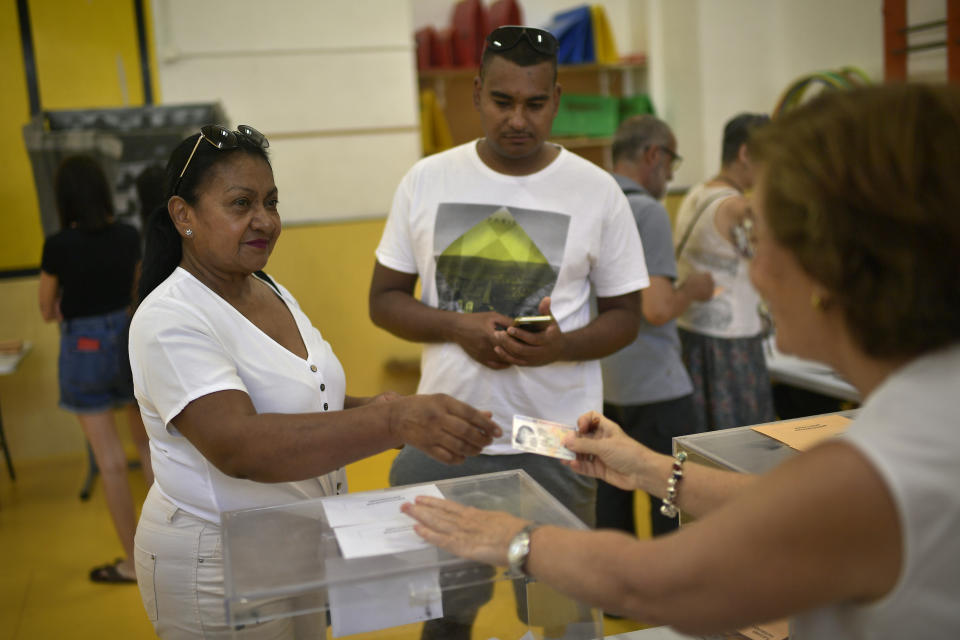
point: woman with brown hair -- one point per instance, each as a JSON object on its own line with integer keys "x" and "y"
{"x": 857, "y": 252}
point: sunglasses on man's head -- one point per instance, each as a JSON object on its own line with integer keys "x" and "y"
{"x": 507, "y": 37}
{"x": 222, "y": 138}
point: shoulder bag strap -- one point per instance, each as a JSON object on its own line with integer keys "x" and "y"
{"x": 696, "y": 218}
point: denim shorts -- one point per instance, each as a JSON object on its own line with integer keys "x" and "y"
{"x": 94, "y": 365}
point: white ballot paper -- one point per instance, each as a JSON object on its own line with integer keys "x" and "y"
{"x": 371, "y": 524}
{"x": 542, "y": 437}
{"x": 373, "y": 506}
{"x": 390, "y": 601}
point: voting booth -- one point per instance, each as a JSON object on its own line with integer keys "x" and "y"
{"x": 124, "y": 140}
{"x": 351, "y": 566}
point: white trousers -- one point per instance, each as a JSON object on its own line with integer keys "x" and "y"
{"x": 179, "y": 560}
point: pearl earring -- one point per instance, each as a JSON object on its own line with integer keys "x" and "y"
{"x": 816, "y": 301}
{"x": 188, "y": 233}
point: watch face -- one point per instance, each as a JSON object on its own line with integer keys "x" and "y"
{"x": 518, "y": 550}
{"x": 515, "y": 550}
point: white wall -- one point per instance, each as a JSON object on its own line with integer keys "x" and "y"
{"x": 332, "y": 84}
{"x": 674, "y": 62}
{"x": 711, "y": 59}
{"x": 929, "y": 65}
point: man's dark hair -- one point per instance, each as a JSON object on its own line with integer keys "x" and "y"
{"x": 737, "y": 131}
{"x": 522, "y": 54}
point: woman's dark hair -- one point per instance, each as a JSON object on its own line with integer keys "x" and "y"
{"x": 83, "y": 194}
{"x": 163, "y": 249}
{"x": 861, "y": 186}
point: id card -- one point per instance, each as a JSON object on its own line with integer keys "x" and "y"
{"x": 542, "y": 437}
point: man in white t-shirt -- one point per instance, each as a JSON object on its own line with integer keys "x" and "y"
{"x": 502, "y": 227}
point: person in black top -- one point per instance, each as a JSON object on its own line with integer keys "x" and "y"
{"x": 88, "y": 273}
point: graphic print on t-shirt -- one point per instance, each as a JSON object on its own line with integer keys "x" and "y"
{"x": 496, "y": 258}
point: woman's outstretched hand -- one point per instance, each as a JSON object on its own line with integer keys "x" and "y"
{"x": 604, "y": 451}
{"x": 465, "y": 531}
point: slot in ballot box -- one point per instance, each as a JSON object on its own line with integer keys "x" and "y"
{"x": 285, "y": 568}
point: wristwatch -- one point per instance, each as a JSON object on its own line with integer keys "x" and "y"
{"x": 519, "y": 549}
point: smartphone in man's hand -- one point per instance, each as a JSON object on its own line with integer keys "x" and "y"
{"x": 533, "y": 324}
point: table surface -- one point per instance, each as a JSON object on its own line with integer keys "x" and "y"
{"x": 807, "y": 374}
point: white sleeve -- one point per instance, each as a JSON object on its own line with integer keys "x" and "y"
{"x": 620, "y": 265}
{"x": 396, "y": 245}
{"x": 177, "y": 358}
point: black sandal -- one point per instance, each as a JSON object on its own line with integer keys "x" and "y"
{"x": 108, "y": 573}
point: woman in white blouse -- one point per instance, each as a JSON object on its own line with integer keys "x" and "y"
{"x": 244, "y": 401}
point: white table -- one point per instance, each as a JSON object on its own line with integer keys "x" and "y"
{"x": 807, "y": 374}
{"x": 8, "y": 364}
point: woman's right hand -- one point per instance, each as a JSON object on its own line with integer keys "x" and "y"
{"x": 604, "y": 451}
{"x": 442, "y": 427}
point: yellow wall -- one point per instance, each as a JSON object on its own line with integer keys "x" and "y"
{"x": 672, "y": 204}
{"x": 20, "y": 235}
{"x": 86, "y": 56}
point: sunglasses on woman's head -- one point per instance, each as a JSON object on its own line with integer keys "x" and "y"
{"x": 507, "y": 37}
{"x": 222, "y": 138}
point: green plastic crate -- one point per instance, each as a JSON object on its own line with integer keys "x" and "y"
{"x": 586, "y": 115}
{"x": 635, "y": 105}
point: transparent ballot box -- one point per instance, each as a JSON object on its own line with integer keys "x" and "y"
{"x": 287, "y": 572}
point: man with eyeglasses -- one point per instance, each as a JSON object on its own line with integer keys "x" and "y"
{"x": 507, "y": 226}
{"x": 646, "y": 389}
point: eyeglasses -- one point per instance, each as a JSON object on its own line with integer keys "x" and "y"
{"x": 675, "y": 159}
{"x": 223, "y": 138}
{"x": 507, "y": 37}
